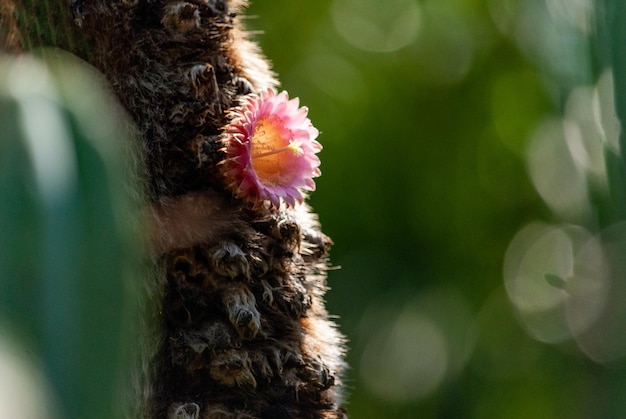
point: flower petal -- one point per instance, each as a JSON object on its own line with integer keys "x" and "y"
{"x": 270, "y": 148}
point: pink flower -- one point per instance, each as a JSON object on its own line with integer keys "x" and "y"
{"x": 270, "y": 150}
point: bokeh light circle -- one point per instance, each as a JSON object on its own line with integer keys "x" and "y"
{"x": 406, "y": 362}
{"x": 375, "y": 26}
{"x": 411, "y": 349}
{"x": 555, "y": 276}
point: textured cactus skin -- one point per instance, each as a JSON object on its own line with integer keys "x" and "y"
{"x": 242, "y": 330}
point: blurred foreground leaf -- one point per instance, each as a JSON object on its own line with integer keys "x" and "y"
{"x": 66, "y": 217}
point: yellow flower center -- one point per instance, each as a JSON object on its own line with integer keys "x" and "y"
{"x": 272, "y": 153}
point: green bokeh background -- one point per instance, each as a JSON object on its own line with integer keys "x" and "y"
{"x": 427, "y": 110}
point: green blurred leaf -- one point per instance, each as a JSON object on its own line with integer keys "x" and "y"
{"x": 67, "y": 223}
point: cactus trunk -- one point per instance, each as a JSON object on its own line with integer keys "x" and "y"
{"x": 237, "y": 292}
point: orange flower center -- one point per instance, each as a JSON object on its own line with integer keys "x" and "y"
{"x": 273, "y": 151}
